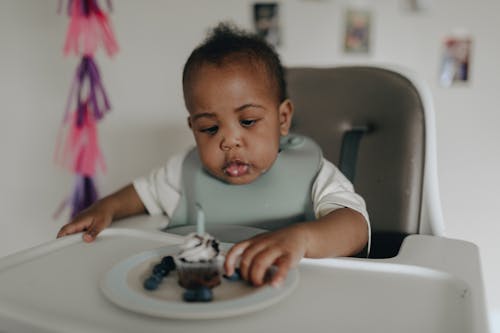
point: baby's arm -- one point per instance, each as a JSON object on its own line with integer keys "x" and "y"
{"x": 93, "y": 220}
{"x": 342, "y": 232}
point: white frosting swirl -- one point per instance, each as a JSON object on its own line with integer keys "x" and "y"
{"x": 198, "y": 248}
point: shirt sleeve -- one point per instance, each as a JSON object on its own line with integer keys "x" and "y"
{"x": 332, "y": 190}
{"x": 160, "y": 191}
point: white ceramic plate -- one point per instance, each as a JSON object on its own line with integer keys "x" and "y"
{"x": 122, "y": 285}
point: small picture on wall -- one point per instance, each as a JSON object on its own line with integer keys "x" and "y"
{"x": 357, "y": 31}
{"x": 455, "y": 62}
{"x": 266, "y": 22}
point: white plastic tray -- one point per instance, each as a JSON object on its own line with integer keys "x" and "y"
{"x": 433, "y": 285}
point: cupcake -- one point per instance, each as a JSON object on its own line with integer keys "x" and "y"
{"x": 199, "y": 262}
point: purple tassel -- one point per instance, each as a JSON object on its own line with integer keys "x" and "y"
{"x": 87, "y": 71}
{"x": 84, "y": 195}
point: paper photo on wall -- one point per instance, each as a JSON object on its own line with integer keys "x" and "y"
{"x": 455, "y": 62}
{"x": 357, "y": 30}
{"x": 266, "y": 22}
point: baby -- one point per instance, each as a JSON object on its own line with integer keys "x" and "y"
{"x": 235, "y": 93}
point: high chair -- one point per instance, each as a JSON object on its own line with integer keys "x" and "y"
{"x": 377, "y": 126}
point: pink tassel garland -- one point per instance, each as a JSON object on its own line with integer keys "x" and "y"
{"x": 88, "y": 28}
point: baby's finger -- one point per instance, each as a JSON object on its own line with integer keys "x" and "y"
{"x": 247, "y": 258}
{"x": 94, "y": 230}
{"x": 74, "y": 227}
{"x": 232, "y": 256}
{"x": 261, "y": 264}
{"x": 283, "y": 265}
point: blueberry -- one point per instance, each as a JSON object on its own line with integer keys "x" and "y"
{"x": 168, "y": 261}
{"x": 152, "y": 282}
{"x": 236, "y": 276}
{"x": 204, "y": 294}
{"x": 201, "y": 294}
{"x": 160, "y": 270}
{"x": 190, "y": 295}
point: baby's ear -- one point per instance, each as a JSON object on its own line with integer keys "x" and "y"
{"x": 285, "y": 116}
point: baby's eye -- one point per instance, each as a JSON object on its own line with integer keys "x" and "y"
{"x": 247, "y": 122}
{"x": 210, "y": 130}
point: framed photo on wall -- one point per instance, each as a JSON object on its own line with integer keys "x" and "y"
{"x": 266, "y": 22}
{"x": 455, "y": 60}
{"x": 357, "y": 30}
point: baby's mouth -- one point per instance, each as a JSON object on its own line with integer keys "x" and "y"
{"x": 236, "y": 168}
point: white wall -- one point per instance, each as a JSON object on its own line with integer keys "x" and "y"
{"x": 148, "y": 123}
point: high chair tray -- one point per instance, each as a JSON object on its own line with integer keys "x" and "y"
{"x": 433, "y": 285}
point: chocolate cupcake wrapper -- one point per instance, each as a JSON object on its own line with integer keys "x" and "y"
{"x": 193, "y": 275}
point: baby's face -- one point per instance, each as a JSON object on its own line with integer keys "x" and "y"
{"x": 236, "y": 120}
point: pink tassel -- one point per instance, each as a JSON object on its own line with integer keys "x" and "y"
{"x": 81, "y": 153}
{"x": 88, "y": 27}
{"x": 90, "y": 35}
{"x": 74, "y": 30}
{"x": 107, "y": 35}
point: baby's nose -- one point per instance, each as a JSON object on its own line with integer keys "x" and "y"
{"x": 231, "y": 139}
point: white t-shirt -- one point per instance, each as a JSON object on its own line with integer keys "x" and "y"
{"x": 161, "y": 191}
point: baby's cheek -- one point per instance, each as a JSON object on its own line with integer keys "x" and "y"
{"x": 210, "y": 160}
{"x": 266, "y": 163}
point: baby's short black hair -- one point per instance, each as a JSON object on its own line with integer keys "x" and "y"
{"x": 226, "y": 43}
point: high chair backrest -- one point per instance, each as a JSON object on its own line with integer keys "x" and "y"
{"x": 377, "y": 125}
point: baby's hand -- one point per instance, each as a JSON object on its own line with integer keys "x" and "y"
{"x": 92, "y": 220}
{"x": 283, "y": 248}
